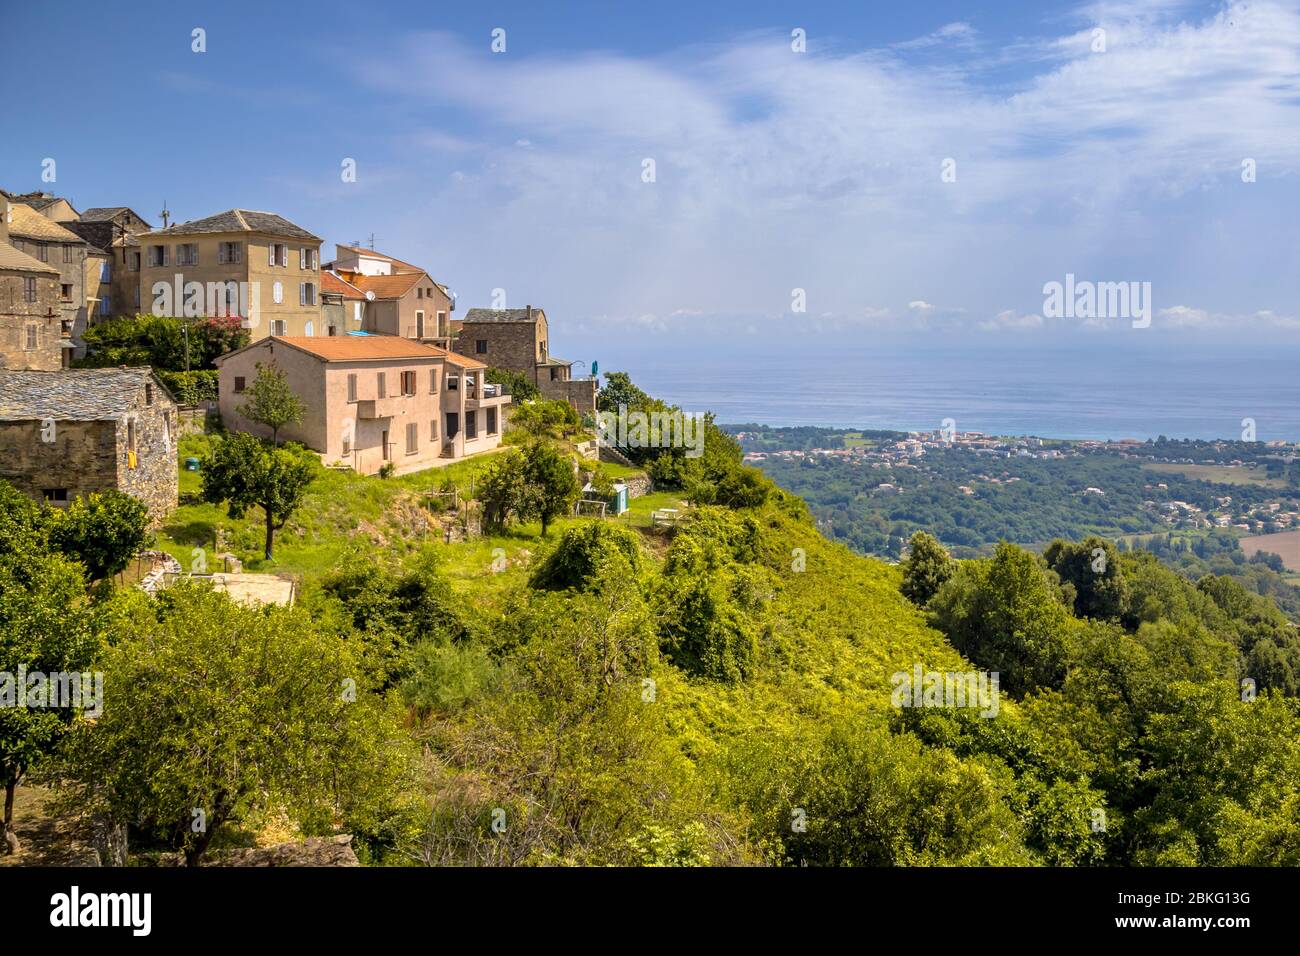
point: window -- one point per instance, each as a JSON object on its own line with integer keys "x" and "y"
{"x": 42, "y": 252}
{"x": 471, "y": 425}
{"x": 555, "y": 373}
{"x": 433, "y": 429}
{"x": 408, "y": 383}
{"x": 31, "y": 336}
{"x": 148, "y": 394}
{"x": 543, "y": 347}
{"x": 309, "y": 329}
{"x": 187, "y": 254}
{"x": 230, "y": 252}
{"x": 419, "y": 292}
{"x": 480, "y": 346}
{"x": 160, "y": 256}
{"x": 352, "y": 386}
{"x": 278, "y": 327}
{"x": 105, "y": 271}
{"x": 137, "y": 294}
{"x": 382, "y": 378}
{"x": 130, "y": 440}
{"x": 453, "y": 383}
{"x": 29, "y": 288}
{"x": 55, "y": 495}
{"x": 491, "y": 421}
{"x": 442, "y": 323}
{"x": 105, "y": 307}
{"x": 239, "y": 384}
{"x": 419, "y": 323}
{"x": 433, "y": 381}
{"x": 277, "y": 293}
{"x": 306, "y": 293}
{"x": 412, "y": 438}
{"x": 308, "y": 258}
{"x": 67, "y": 255}
{"x": 65, "y": 291}
{"x": 277, "y": 254}
{"x": 356, "y": 312}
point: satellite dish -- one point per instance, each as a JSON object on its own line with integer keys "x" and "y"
{"x": 370, "y": 296}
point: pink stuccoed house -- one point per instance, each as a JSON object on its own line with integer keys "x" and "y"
{"x": 373, "y": 399}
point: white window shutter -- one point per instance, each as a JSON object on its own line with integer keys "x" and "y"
{"x": 302, "y": 293}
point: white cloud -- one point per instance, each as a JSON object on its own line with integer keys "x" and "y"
{"x": 822, "y": 171}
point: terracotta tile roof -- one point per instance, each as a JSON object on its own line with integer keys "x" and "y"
{"x": 389, "y": 287}
{"x": 30, "y": 224}
{"x": 357, "y": 348}
{"x": 331, "y": 284}
{"x": 15, "y": 261}
{"x": 238, "y": 220}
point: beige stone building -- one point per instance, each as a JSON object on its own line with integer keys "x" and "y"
{"x": 52, "y": 207}
{"x": 48, "y": 241}
{"x": 265, "y": 268}
{"x": 403, "y": 299}
{"x": 372, "y": 400}
{"x": 31, "y": 323}
{"x": 519, "y": 340}
{"x": 67, "y": 433}
{"x": 112, "y": 285}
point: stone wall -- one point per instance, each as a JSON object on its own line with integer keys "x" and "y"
{"x": 510, "y": 345}
{"x": 16, "y": 314}
{"x": 580, "y": 393}
{"x": 91, "y": 456}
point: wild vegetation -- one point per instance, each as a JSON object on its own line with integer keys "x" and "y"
{"x": 718, "y": 692}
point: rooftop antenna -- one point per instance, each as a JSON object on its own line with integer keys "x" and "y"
{"x": 372, "y": 242}
{"x": 166, "y": 216}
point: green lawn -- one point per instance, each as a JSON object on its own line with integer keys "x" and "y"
{"x": 349, "y": 514}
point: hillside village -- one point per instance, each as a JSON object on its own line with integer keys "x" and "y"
{"x": 393, "y": 379}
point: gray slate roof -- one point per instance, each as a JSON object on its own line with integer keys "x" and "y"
{"x": 107, "y": 213}
{"x": 239, "y": 220}
{"x": 499, "y": 315}
{"x": 77, "y": 394}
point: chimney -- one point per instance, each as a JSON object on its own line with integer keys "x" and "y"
{"x": 528, "y": 312}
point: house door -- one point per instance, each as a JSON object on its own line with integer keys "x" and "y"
{"x": 419, "y": 325}
{"x": 453, "y": 425}
{"x": 383, "y": 440}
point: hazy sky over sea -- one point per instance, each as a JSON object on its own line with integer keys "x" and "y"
{"x": 774, "y": 170}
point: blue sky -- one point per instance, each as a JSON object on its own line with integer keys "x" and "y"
{"x": 774, "y": 170}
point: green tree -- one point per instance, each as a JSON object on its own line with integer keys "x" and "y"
{"x": 517, "y": 385}
{"x": 543, "y": 420}
{"x": 243, "y": 471}
{"x": 271, "y": 401}
{"x": 1092, "y": 567}
{"x": 223, "y": 714}
{"x": 925, "y": 569}
{"x": 555, "y": 487}
{"x": 619, "y": 390}
{"x": 103, "y": 531}
{"x": 43, "y": 630}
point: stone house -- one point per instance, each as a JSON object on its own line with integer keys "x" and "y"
{"x": 264, "y": 267}
{"x": 52, "y": 207}
{"x": 518, "y": 340}
{"x": 403, "y": 299}
{"x": 372, "y": 400}
{"x": 31, "y": 324}
{"x": 67, "y": 433}
{"x": 56, "y": 246}
{"x": 114, "y": 285}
